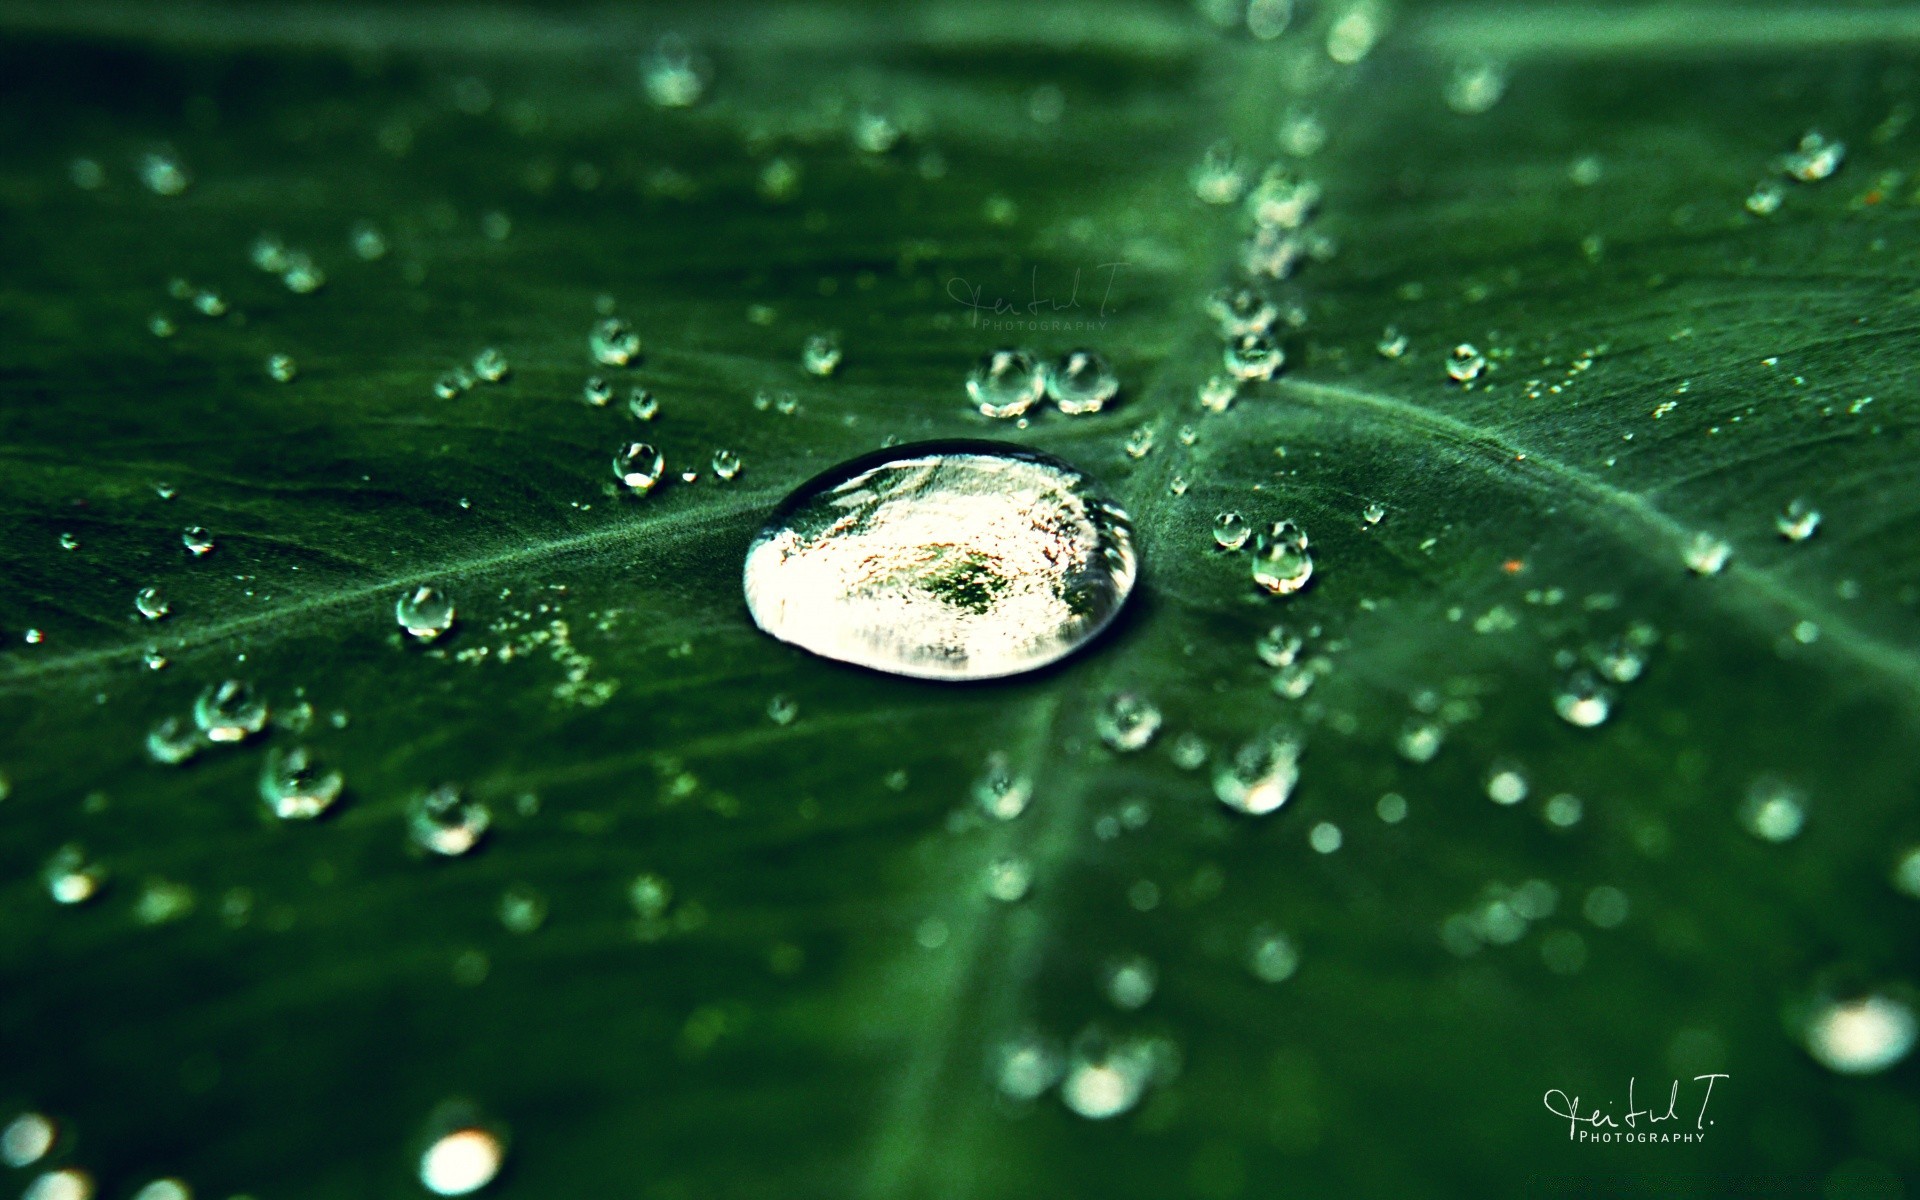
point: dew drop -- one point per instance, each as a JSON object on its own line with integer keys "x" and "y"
{"x": 198, "y": 541}
{"x": 1006, "y": 383}
{"x": 1815, "y": 158}
{"x": 1140, "y": 442}
{"x": 295, "y": 787}
{"x": 424, "y": 612}
{"x": 948, "y": 560}
{"x": 642, "y": 405}
{"x": 229, "y": 712}
{"x": 151, "y": 603}
{"x": 1000, "y": 791}
{"x": 1861, "y": 1036}
{"x": 726, "y": 464}
{"x": 1506, "y": 784}
{"x": 1374, "y": 513}
{"x": 1261, "y": 776}
{"x": 1271, "y": 956}
{"x": 1081, "y": 383}
{"x": 281, "y": 368}
{"x": 639, "y": 467}
{"x": 1392, "y": 343}
{"x": 444, "y": 822}
{"x": 674, "y": 75}
{"x": 1773, "y": 809}
{"x": 1220, "y": 177}
{"x": 461, "y": 1162}
{"x": 1279, "y": 646}
{"x": 1216, "y": 395}
{"x": 1583, "y": 700}
{"x": 1127, "y": 721}
{"x": 67, "y": 1183}
{"x": 1242, "y": 310}
{"x": 1706, "y": 554}
{"x": 71, "y": 878}
{"x": 1280, "y": 565}
{"x": 490, "y": 365}
{"x": 1252, "y": 356}
{"x": 1231, "y": 531}
{"x": 26, "y": 1140}
{"x": 1620, "y": 660}
{"x": 174, "y": 740}
{"x": 613, "y": 343}
{"x": 1465, "y": 363}
{"x": 1105, "y": 1079}
{"x": 1797, "y": 521}
{"x": 821, "y": 354}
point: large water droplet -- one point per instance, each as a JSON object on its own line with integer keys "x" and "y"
{"x": 424, "y": 612}
{"x": 229, "y": 712}
{"x": 945, "y": 560}
{"x": 1280, "y": 566}
{"x": 1081, "y": 383}
{"x": 1006, "y": 383}
{"x": 639, "y": 467}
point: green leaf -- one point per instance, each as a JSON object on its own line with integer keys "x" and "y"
{"x": 810, "y": 995}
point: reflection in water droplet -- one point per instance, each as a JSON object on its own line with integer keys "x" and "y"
{"x": 461, "y": 1162}
{"x": 444, "y": 822}
{"x": 1105, "y": 1078}
{"x": 1583, "y": 700}
{"x": 1797, "y": 521}
{"x": 1127, "y": 721}
{"x": 425, "y": 613}
{"x": 1261, "y": 776}
{"x": 1081, "y": 383}
{"x": 294, "y": 787}
{"x": 229, "y": 712}
{"x": 1006, "y": 383}
{"x": 1861, "y": 1036}
{"x": 1773, "y": 809}
{"x": 1001, "y": 792}
{"x": 639, "y": 467}
{"x": 26, "y": 1140}
{"x": 958, "y": 560}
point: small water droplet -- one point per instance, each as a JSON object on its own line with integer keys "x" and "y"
{"x": 160, "y": 325}
{"x": 821, "y": 354}
{"x": 1815, "y": 158}
{"x": 1773, "y": 809}
{"x": 1130, "y": 982}
{"x": 642, "y": 405}
{"x": 281, "y": 368}
{"x": 1231, "y": 531}
{"x": 1506, "y": 784}
{"x": 461, "y": 1162}
{"x": 1620, "y": 660}
{"x": 1325, "y": 838}
{"x": 639, "y": 467}
{"x": 1797, "y": 521}
{"x": 1392, "y": 343}
{"x": 1564, "y": 811}
{"x": 369, "y": 244}
{"x": 1706, "y": 554}
{"x": 1216, "y": 395}
{"x": 1282, "y": 200}
{"x": 1280, "y": 566}
{"x": 1863, "y": 1035}
{"x": 613, "y": 343}
{"x": 444, "y": 822}
{"x": 1465, "y": 363}
{"x": 425, "y": 612}
{"x": 523, "y": 909}
{"x": 596, "y": 392}
{"x": 1127, "y": 721}
{"x": 1583, "y": 700}
{"x": 726, "y": 464}
{"x": 1242, "y": 310}
{"x": 1374, "y": 513}
{"x": 1279, "y": 646}
{"x": 1261, "y": 776}
{"x": 1220, "y": 177}
{"x": 1140, "y": 442}
{"x": 1475, "y": 87}
{"x": 874, "y": 132}
{"x": 26, "y": 1139}
{"x": 198, "y": 541}
{"x": 1006, "y": 383}
{"x": 164, "y": 1189}
{"x": 295, "y": 787}
{"x": 151, "y": 603}
{"x": 71, "y": 878}
{"x": 1081, "y": 383}
{"x": 1252, "y": 356}
{"x": 782, "y": 709}
{"x": 952, "y": 560}
{"x": 1008, "y": 879}
{"x": 1765, "y": 198}
{"x": 490, "y": 365}
{"x": 452, "y": 384}
{"x": 1000, "y": 791}
{"x": 229, "y": 712}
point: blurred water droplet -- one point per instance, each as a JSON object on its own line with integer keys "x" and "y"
{"x": 612, "y": 342}
{"x": 461, "y": 1162}
{"x": 164, "y": 1189}
{"x": 444, "y": 822}
{"x": 162, "y": 174}
{"x": 174, "y": 740}
{"x": 1765, "y": 198}
{"x": 1252, "y": 356}
{"x": 523, "y": 909}
{"x": 1282, "y": 200}
{"x": 1620, "y": 660}
{"x": 295, "y": 787}
{"x": 1000, "y": 791}
{"x": 1325, "y": 838}
{"x": 1261, "y": 776}
{"x": 638, "y": 467}
{"x": 1392, "y": 343}
{"x": 1127, "y": 721}
{"x": 782, "y": 709}
{"x": 281, "y": 368}
{"x": 1268, "y": 19}
{"x": 1105, "y": 1078}
{"x": 942, "y": 561}
{"x": 70, "y": 877}
{"x": 1420, "y": 739}
{"x": 450, "y": 385}
{"x": 1606, "y": 906}
{"x": 1797, "y": 521}
{"x": 1231, "y": 531}
{"x": 1773, "y": 810}
{"x": 425, "y": 612}
{"x": 67, "y": 1183}
{"x": 198, "y": 541}
{"x": 1861, "y": 1036}
{"x": 1271, "y": 956}
{"x": 1906, "y": 873}
{"x": 651, "y": 895}
{"x": 1279, "y": 646}
{"x": 151, "y": 603}
{"x": 1815, "y": 158}
{"x": 490, "y": 365}
{"x": 1081, "y": 383}
{"x": 874, "y": 132}
{"x": 642, "y": 405}
{"x": 1024, "y": 1067}
{"x": 1391, "y": 808}
{"x": 160, "y": 325}
{"x": 1506, "y": 784}
{"x": 1216, "y": 395}
{"x": 1130, "y": 982}
{"x": 674, "y": 75}
{"x": 1475, "y": 87}
{"x": 229, "y": 711}
{"x": 1465, "y": 363}
{"x": 1583, "y": 700}
{"x": 369, "y": 244}
{"x": 1006, "y": 383}
{"x": 1706, "y": 554}
{"x": 1241, "y": 310}
{"x": 1220, "y": 176}
{"x": 821, "y": 354}
{"x": 596, "y": 392}
{"x": 26, "y": 1140}
{"x": 1009, "y": 878}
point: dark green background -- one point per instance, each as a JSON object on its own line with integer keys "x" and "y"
{"x": 786, "y": 1035}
